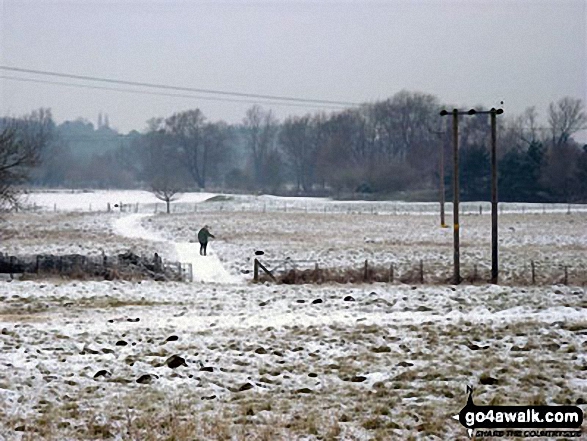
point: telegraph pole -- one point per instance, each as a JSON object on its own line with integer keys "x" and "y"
{"x": 455, "y": 197}
{"x": 442, "y": 196}
{"x": 455, "y": 208}
{"x": 494, "y": 237}
{"x": 441, "y": 141}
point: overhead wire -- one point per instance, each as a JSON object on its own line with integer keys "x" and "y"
{"x": 177, "y": 88}
{"x": 174, "y": 95}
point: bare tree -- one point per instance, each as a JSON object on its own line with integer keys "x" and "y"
{"x": 161, "y": 165}
{"x": 215, "y": 140}
{"x": 303, "y": 139}
{"x": 22, "y": 141}
{"x": 166, "y": 188}
{"x": 565, "y": 118}
{"x": 294, "y": 139}
{"x": 186, "y": 129}
{"x": 261, "y": 130}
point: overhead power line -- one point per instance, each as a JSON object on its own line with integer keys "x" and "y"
{"x": 178, "y": 88}
{"x": 175, "y": 95}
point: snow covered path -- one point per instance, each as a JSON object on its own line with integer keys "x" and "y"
{"x": 207, "y": 269}
{"x": 130, "y": 226}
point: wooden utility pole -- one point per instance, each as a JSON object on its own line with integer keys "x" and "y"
{"x": 441, "y": 141}
{"x": 494, "y": 240}
{"x": 441, "y": 172}
{"x": 455, "y": 200}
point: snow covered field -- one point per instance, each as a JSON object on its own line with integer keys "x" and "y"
{"x": 552, "y": 241}
{"x": 267, "y": 362}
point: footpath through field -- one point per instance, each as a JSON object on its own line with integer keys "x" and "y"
{"x": 207, "y": 269}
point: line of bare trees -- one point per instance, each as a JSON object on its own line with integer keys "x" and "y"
{"x": 383, "y": 148}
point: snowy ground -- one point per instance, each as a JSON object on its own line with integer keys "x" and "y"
{"x": 392, "y": 364}
{"x": 283, "y": 362}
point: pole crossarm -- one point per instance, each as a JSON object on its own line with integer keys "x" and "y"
{"x": 471, "y": 112}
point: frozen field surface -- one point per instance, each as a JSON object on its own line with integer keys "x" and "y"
{"x": 390, "y": 362}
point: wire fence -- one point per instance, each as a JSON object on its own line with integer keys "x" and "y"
{"x": 322, "y": 206}
{"x": 539, "y": 273}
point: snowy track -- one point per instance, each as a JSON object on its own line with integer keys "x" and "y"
{"x": 130, "y": 226}
{"x": 207, "y": 269}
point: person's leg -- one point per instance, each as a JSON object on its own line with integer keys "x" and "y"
{"x": 205, "y": 246}
{"x": 201, "y": 249}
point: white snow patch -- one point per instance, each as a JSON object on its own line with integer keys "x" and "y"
{"x": 207, "y": 268}
{"x": 63, "y": 200}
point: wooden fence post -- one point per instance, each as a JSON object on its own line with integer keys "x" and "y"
{"x": 391, "y": 273}
{"x": 256, "y": 271}
{"x": 421, "y": 271}
{"x": 316, "y": 273}
{"x": 260, "y": 265}
{"x": 475, "y": 275}
{"x": 366, "y": 271}
{"x": 533, "y": 272}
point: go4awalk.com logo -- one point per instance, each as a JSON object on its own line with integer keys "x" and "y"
{"x": 520, "y": 421}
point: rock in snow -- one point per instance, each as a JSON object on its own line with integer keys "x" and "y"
{"x": 175, "y": 361}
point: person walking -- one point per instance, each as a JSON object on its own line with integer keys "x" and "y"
{"x": 203, "y": 236}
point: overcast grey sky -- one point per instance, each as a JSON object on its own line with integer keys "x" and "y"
{"x": 465, "y": 52}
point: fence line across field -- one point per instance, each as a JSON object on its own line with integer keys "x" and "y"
{"x": 418, "y": 271}
{"x": 68, "y": 265}
{"x": 361, "y": 208}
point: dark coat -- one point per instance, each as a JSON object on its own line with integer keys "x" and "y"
{"x": 203, "y": 235}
